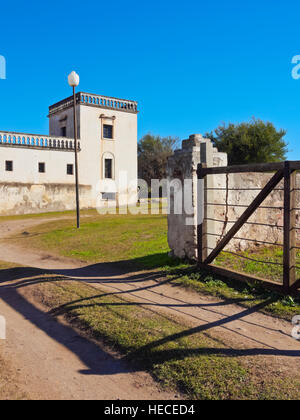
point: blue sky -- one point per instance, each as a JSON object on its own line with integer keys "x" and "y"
{"x": 191, "y": 65}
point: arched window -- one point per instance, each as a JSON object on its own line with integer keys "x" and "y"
{"x": 108, "y": 166}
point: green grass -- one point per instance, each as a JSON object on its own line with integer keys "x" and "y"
{"x": 194, "y": 363}
{"x": 140, "y": 243}
{"x": 244, "y": 294}
{"x": 106, "y": 238}
{"x": 267, "y": 269}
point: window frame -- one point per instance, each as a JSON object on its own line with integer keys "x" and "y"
{"x": 7, "y": 168}
{"x": 70, "y": 165}
{"x": 108, "y": 159}
{"x": 108, "y": 156}
{"x": 112, "y": 131}
{"x": 44, "y": 167}
{"x": 63, "y": 132}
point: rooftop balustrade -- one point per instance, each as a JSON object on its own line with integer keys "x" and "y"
{"x": 97, "y": 101}
{"x": 12, "y": 139}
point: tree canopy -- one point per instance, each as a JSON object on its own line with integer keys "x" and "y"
{"x": 153, "y": 152}
{"x": 250, "y": 142}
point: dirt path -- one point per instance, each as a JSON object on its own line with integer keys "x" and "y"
{"x": 51, "y": 359}
{"x": 12, "y": 253}
{"x": 54, "y": 362}
{"x": 246, "y": 331}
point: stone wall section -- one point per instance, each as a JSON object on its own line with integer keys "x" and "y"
{"x": 17, "y": 198}
{"x": 238, "y": 190}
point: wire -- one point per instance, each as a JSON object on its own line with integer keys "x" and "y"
{"x": 246, "y": 205}
{"x": 242, "y": 189}
{"x": 246, "y": 223}
{"x": 253, "y": 259}
{"x": 246, "y": 239}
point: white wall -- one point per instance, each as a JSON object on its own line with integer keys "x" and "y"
{"x": 21, "y": 198}
{"x": 25, "y": 159}
{"x": 25, "y": 165}
{"x": 64, "y": 118}
{"x": 123, "y": 147}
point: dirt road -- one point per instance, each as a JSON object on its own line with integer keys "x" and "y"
{"x": 52, "y": 360}
{"x": 66, "y": 366}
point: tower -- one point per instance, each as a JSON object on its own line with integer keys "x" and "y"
{"x": 107, "y": 129}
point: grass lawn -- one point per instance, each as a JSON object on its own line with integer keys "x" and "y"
{"x": 270, "y": 266}
{"x": 195, "y": 364}
{"x": 140, "y": 239}
{"x": 140, "y": 242}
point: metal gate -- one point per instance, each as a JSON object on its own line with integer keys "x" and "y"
{"x": 285, "y": 171}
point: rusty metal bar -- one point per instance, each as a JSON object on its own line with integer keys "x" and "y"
{"x": 289, "y": 232}
{"x": 256, "y": 167}
{"x": 201, "y": 244}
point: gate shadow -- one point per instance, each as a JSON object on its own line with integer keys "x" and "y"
{"x": 97, "y": 360}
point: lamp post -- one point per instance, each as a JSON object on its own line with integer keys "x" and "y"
{"x": 73, "y": 80}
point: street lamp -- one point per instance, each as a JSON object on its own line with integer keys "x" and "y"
{"x": 73, "y": 80}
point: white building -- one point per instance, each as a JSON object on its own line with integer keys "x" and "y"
{"x": 37, "y": 172}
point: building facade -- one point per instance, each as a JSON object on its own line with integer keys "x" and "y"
{"x": 37, "y": 172}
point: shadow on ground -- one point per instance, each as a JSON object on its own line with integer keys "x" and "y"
{"x": 98, "y": 360}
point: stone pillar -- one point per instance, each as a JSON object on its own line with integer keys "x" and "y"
{"x": 182, "y": 171}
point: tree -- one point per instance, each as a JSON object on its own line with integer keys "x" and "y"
{"x": 153, "y": 152}
{"x": 253, "y": 142}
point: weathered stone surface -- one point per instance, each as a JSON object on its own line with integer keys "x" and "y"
{"x": 17, "y": 198}
{"x": 265, "y": 224}
{"x": 182, "y": 228}
{"x": 237, "y": 190}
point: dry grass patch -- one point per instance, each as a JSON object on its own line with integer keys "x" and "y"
{"x": 195, "y": 364}
{"x": 9, "y": 381}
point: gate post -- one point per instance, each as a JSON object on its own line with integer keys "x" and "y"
{"x": 201, "y": 214}
{"x": 289, "y": 231}
{"x": 183, "y": 165}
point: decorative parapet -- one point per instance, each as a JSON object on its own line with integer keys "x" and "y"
{"x": 33, "y": 141}
{"x": 99, "y": 101}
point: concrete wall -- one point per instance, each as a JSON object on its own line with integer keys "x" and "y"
{"x": 94, "y": 148}
{"x": 242, "y": 190}
{"x": 123, "y": 147}
{"x": 182, "y": 166}
{"x": 25, "y": 189}
{"x": 64, "y": 119}
{"x": 25, "y": 165}
{"x": 238, "y": 190}
{"x": 17, "y": 198}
